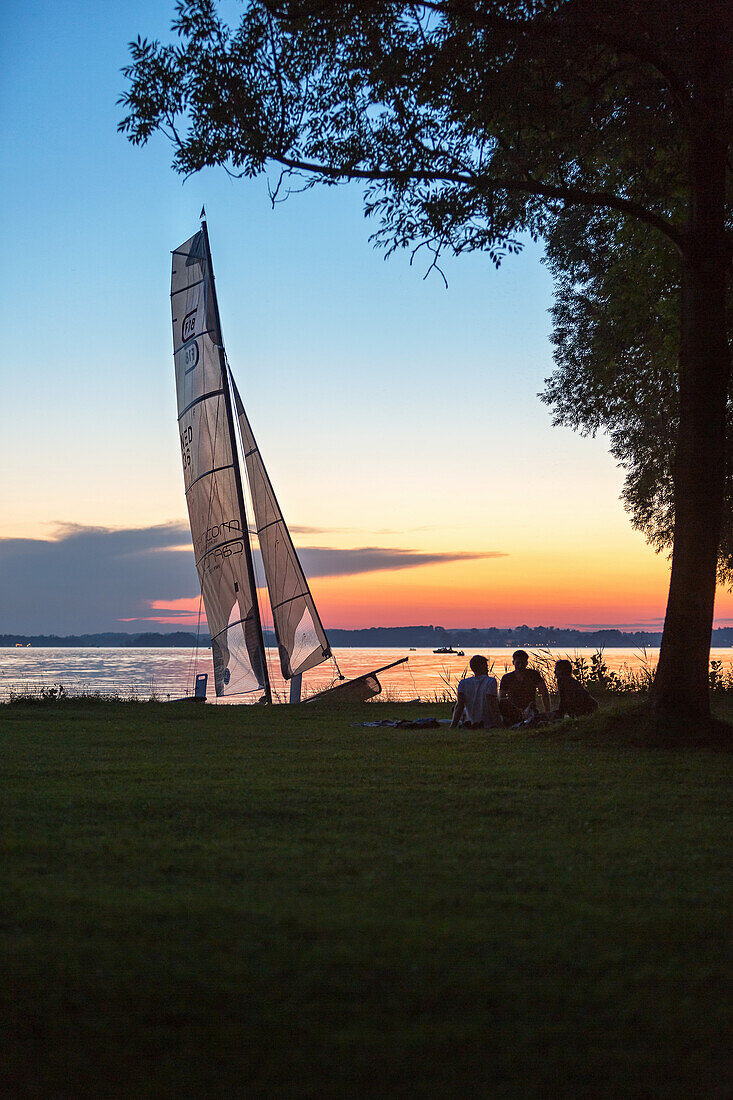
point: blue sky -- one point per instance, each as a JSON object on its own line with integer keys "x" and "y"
{"x": 393, "y": 413}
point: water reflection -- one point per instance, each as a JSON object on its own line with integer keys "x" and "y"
{"x": 168, "y": 673}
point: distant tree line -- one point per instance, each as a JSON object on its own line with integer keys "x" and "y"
{"x": 430, "y": 637}
{"x": 109, "y": 638}
{"x": 519, "y": 636}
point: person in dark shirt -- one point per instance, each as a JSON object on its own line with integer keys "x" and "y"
{"x": 574, "y": 701}
{"x": 518, "y": 690}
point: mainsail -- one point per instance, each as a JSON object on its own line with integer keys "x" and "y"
{"x": 302, "y": 641}
{"x": 212, "y": 477}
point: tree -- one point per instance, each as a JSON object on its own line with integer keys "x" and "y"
{"x": 617, "y": 343}
{"x": 472, "y": 122}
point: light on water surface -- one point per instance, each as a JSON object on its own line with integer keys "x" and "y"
{"x": 169, "y": 672}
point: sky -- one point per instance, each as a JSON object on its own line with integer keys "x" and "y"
{"x": 399, "y": 420}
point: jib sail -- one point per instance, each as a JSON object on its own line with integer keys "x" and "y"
{"x": 302, "y": 641}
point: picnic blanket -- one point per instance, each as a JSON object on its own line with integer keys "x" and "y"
{"x": 410, "y": 724}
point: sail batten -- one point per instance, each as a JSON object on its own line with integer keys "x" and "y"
{"x": 234, "y": 622}
{"x": 213, "y": 493}
{"x": 216, "y": 470}
{"x": 198, "y": 400}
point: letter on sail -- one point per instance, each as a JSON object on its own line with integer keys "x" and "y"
{"x": 301, "y": 638}
{"x": 218, "y": 524}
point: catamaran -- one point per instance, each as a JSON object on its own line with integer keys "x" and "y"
{"x": 215, "y": 436}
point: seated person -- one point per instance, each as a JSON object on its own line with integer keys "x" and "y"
{"x": 476, "y": 702}
{"x": 518, "y": 689}
{"x": 574, "y": 701}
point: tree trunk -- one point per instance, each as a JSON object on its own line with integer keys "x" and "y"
{"x": 680, "y": 700}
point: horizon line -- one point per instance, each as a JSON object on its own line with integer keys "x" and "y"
{"x": 629, "y": 628}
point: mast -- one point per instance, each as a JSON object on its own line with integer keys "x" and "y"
{"x": 237, "y": 471}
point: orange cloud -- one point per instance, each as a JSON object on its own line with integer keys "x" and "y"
{"x": 184, "y": 612}
{"x": 553, "y": 589}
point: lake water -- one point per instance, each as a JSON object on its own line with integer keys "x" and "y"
{"x": 169, "y": 673}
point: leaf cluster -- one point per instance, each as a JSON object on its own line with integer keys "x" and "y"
{"x": 470, "y": 122}
{"x": 616, "y": 336}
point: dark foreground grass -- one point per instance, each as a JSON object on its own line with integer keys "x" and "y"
{"x": 220, "y": 902}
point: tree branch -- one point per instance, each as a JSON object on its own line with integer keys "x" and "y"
{"x": 573, "y": 196}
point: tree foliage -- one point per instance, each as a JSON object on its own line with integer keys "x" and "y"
{"x": 429, "y": 103}
{"x": 616, "y": 336}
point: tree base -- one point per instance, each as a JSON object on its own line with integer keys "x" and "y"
{"x": 686, "y": 731}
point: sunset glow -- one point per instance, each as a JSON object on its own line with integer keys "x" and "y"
{"x": 399, "y": 420}
{"x": 558, "y": 592}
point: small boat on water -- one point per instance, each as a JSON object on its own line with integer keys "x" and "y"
{"x": 448, "y": 649}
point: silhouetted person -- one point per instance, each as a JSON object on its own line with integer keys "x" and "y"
{"x": 476, "y": 701}
{"x": 518, "y": 690}
{"x": 574, "y": 701}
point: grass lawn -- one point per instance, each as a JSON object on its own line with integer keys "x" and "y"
{"x": 240, "y": 902}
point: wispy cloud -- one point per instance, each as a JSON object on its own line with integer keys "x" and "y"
{"x": 322, "y": 561}
{"x": 301, "y": 529}
{"x": 88, "y": 579}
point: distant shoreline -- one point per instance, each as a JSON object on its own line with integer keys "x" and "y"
{"x": 424, "y": 637}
